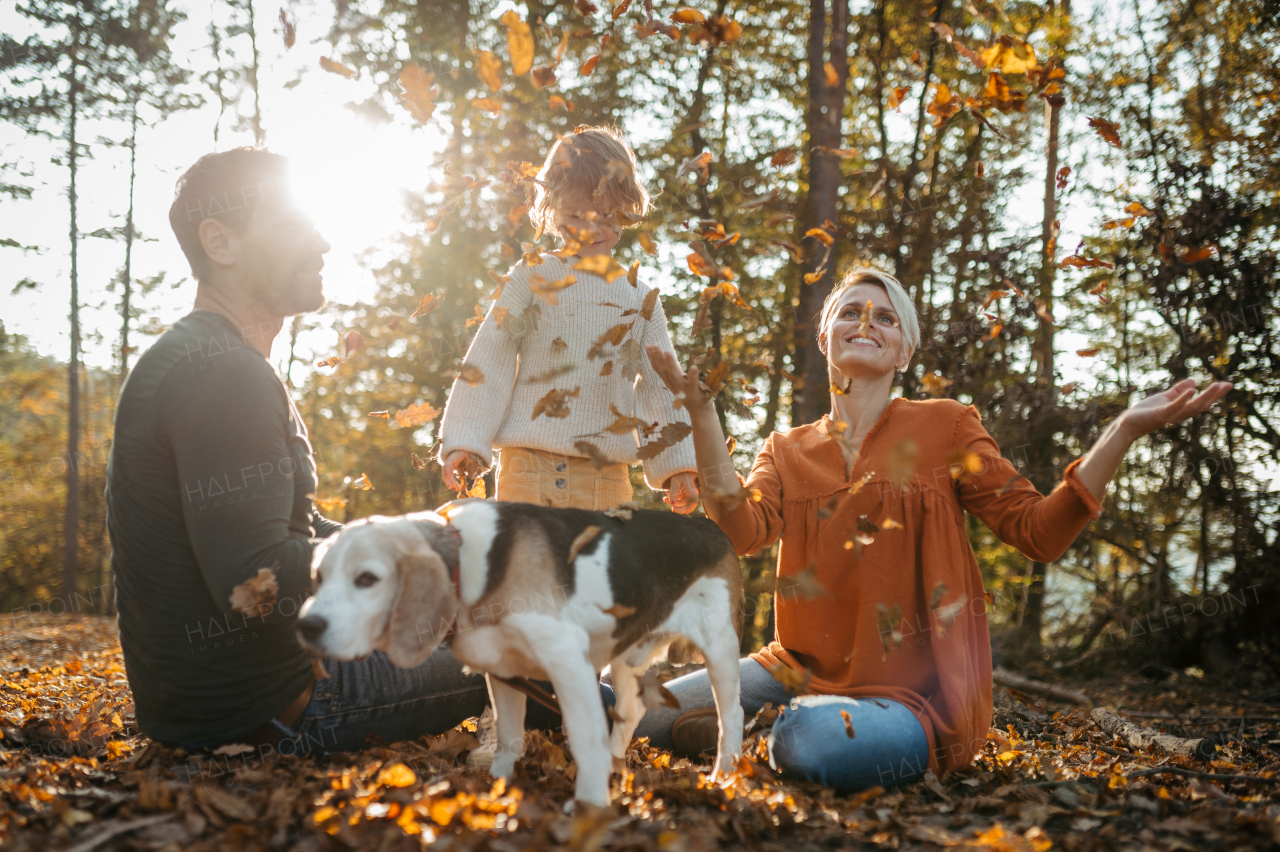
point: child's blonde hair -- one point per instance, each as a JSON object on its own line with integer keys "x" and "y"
{"x": 596, "y": 163}
{"x": 908, "y": 320}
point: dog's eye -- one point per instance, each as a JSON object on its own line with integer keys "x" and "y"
{"x": 366, "y": 579}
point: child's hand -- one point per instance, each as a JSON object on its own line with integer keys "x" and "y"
{"x": 456, "y": 460}
{"x": 682, "y": 494}
{"x": 685, "y": 386}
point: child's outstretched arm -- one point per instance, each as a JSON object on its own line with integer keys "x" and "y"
{"x": 675, "y": 468}
{"x": 474, "y": 412}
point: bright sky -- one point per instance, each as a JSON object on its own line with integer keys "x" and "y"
{"x": 358, "y": 206}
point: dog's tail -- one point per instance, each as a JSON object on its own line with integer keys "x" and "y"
{"x": 682, "y": 652}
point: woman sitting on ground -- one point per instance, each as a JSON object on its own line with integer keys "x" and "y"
{"x": 880, "y": 608}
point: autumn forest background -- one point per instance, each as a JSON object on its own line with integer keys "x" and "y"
{"x": 1083, "y": 200}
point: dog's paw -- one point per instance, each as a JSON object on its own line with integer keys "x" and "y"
{"x": 503, "y": 766}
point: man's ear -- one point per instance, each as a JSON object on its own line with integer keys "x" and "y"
{"x": 423, "y": 610}
{"x": 218, "y": 241}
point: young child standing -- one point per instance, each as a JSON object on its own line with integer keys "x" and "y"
{"x": 567, "y": 396}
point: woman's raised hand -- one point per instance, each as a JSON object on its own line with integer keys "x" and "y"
{"x": 685, "y": 386}
{"x": 1171, "y": 406}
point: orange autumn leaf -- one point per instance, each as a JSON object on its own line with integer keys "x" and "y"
{"x": 257, "y": 594}
{"x": 416, "y": 415}
{"x": 427, "y": 304}
{"x": 547, "y": 290}
{"x": 489, "y": 70}
{"x": 1076, "y": 261}
{"x": 949, "y": 35}
{"x": 943, "y": 106}
{"x": 561, "y": 104}
{"x": 492, "y": 105}
{"x": 633, "y": 274}
{"x": 555, "y": 404}
{"x": 471, "y": 374}
{"x": 362, "y": 482}
{"x": 290, "y": 31}
{"x": 1195, "y": 255}
{"x": 519, "y": 42}
{"x": 417, "y": 93}
{"x": 650, "y": 303}
{"x": 583, "y": 538}
{"x": 821, "y": 235}
{"x": 1107, "y": 130}
{"x": 612, "y": 337}
{"x": 589, "y": 66}
{"x": 1088, "y": 353}
{"x": 934, "y": 384}
{"x": 647, "y": 244}
{"x": 336, "y": 67}
{"x": 331, "y": 361}
{"x": 783, "y": 157}
{"x": 688, "y": 16}
{"x": 896, "y": 96}
{"x": 832, "y": 78}
{"x": 603, "y": 265}
{"x": 543, "y": 76}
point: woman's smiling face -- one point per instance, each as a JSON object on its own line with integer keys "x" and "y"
{"x": 876, "y": 347}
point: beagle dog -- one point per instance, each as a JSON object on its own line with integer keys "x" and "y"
{"x": 528, "y": 591}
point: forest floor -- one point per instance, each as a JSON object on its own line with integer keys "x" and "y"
{"x": 76, "y": 774}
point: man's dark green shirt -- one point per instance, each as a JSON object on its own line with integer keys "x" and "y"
{"x": 211, "y": 478}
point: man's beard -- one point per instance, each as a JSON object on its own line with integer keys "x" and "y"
{"x": 292, "y": 298}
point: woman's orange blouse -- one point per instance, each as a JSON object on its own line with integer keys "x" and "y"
{"x": 937, "y": 658}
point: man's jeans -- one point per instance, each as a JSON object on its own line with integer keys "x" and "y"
{"x": 810, "y": 739}
{"x": 373, "y": 696}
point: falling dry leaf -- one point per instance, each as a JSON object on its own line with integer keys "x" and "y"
{"x": 848, "y": 724}
{"x": 896, "y": 96}
{"x": 934, "y": 384}
{"x": 362, "y": 482}
{"x": 1108, "y": 131}
{"x": 796, "y": 682}
{"x": 802, "y": 585}
{"x": 598, "y": 459}
{"x": 581, "y": 540}
{"x": 336, "y": 67}
{"x": 385, "y": 415}
{"x": 612, "y": 337}
{"x": 490, "y": 105}
{"x": 889, "y": 624}
{"x": 547, "y": 290}
{"x": 654, "y": 694}
{"x": 256, "y": 595}
{"x": 603, "y": 265}
{"x": 471, "y": 374}
{"x": 943, "y": 106}
{"x": 671, "y": 434}
{"x": 1195, "y": 255}
{"x": 554, "y": 404}
{"x": 489, "y": 70}
{"x": 961, "y": 463}
{"x": 519, "y": 42}
{"x": 416, "y": 415}
{"x": 331, "y": 361}
{"x": 417, "y": 92}
{"x": 427, "y": 304}
{"x": 290, "y": 31}
{"x": 620, "y": 610}
{"x": 418, "y": 462}
{"x": 1088, "y": 353}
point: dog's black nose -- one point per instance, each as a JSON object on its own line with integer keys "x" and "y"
{"x": 310, "y": 627}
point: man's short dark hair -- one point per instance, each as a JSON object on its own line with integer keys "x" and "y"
{"x": 226, "y": 186}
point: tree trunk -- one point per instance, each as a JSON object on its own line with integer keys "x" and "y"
{"x": 259, "y": 135}
{"x": 71, "y": 523}
{"x": 810, "y": 397}
{"x": 128, "y": 242}
{"x": 1041, "y": 450}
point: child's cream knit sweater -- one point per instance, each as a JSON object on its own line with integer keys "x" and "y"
{"x": 529, "y": 355}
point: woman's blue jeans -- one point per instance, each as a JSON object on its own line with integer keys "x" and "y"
{"x": 810, "y": 739}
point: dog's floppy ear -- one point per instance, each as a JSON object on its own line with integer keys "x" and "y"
{"x": 423, "y": 611}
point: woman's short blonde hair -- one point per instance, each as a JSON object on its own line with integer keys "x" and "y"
{"x": 908, "y": 320}
{"x": 596, "y": 163}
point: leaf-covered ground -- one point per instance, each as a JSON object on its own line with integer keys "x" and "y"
{"x": 75, "y": 774}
